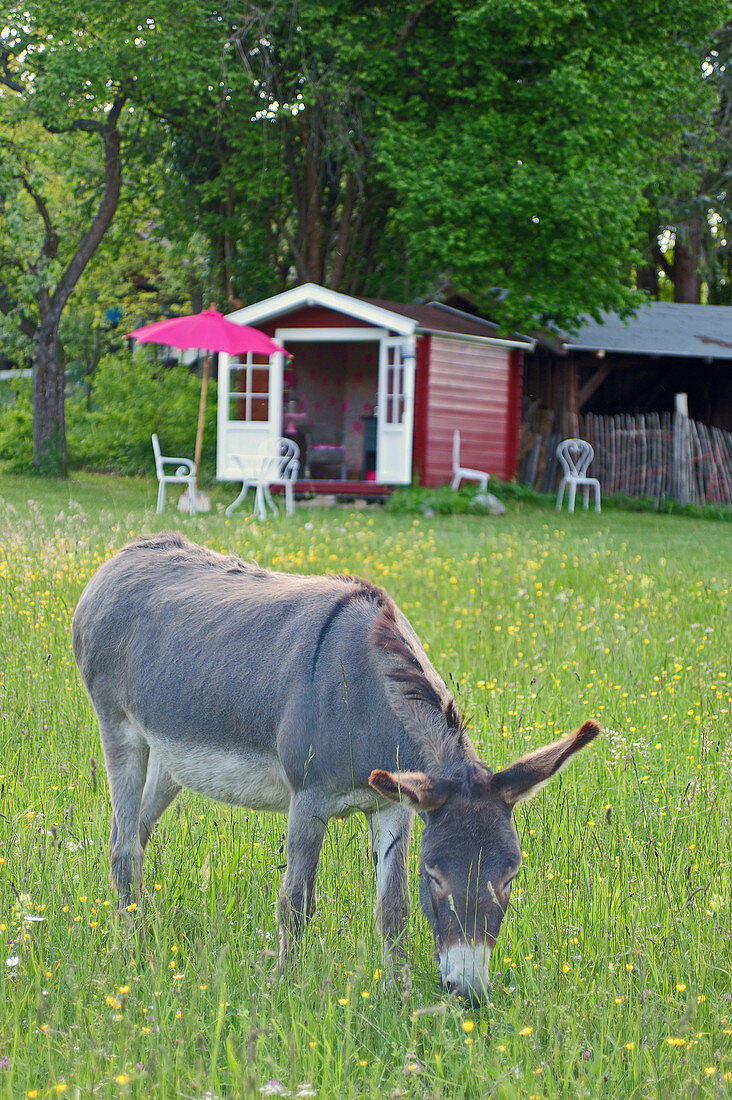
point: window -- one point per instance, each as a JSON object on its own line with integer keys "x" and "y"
{"x": 249, "y": 390}
{"x": 395, "y": 400}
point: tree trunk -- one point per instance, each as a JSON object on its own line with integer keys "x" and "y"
{"x": 50, "y": 456}
{"x": 49, "y": 428}
{"x": 647, "y": 279}
{"x": 646, "y": 275}
{"x": 687, "y": 284}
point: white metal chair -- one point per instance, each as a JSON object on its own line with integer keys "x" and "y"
{"x": 463, "y": 472}
{"x": 185, "y": 474}
{"x": 575, "y": 455}
{"x": 278, "y": 465}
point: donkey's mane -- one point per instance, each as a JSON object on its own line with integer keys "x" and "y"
{"x": 355, "y": 588}
{"x": 410, "y": 673}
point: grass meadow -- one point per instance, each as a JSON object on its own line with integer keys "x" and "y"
{"x": 613, "y": 973}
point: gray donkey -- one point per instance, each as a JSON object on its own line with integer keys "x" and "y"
{"x": 311, "y": 696}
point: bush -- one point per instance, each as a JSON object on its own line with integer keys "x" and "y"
{"x": 16, "y": 425}
{"x": 667, "y": 506}
{"x": 444, "y": 501}
{"x": 132, "y": 397}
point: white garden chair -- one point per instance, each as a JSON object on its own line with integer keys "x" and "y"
{"x": 274, "y": 465}
{"x": 463, "y": 472}
{"x": 185, "y": 474}
{"x": 575, "y": 455}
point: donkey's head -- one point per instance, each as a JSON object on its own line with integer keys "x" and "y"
{"x": 470, "y": 851}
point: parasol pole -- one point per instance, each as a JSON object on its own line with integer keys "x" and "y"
{"x": 201, "y": 416}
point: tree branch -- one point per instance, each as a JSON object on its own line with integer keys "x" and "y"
{"x": 410, "y": 24}
{"x": 6, "y": 77}
{"x": 50, "y": 244}
{"x": 105, "y": 213}
{"x": 93, "y": 125}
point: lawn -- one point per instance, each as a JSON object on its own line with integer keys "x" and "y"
{"x": 612, "y": 976}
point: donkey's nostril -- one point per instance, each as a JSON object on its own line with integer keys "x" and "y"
{"x": 464, "y": 970}
{"x": 472, "y": 995}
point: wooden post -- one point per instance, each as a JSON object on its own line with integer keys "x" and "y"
{"x": 682, "y": 449}
{"x": 201, "y": 417}
{"x": 570, "y": 419}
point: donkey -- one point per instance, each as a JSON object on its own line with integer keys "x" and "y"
{"x": 311, "y": 696}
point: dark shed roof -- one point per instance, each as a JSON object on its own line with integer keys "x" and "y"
{"x": 435, "y": 317}
{"x": 660, "y": 328}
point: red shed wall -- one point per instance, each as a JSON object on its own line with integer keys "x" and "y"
{"x": 474, "y": 387}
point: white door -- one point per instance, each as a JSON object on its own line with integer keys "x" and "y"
{"x": 395, "y": 421}
{"x": 249, "y": 411}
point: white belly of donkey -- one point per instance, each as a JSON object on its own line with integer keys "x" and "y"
{"x": 252, "y": 779}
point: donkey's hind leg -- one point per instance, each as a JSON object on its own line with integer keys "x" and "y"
{"x": 160, "y": 790}
{"x": 125, "y": 758}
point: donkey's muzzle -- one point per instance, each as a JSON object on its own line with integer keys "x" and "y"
{"x": 464, "y": 970}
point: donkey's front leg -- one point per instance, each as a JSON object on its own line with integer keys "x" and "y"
{"x": 306, "y": 825}
{"x": 390, "y": 829}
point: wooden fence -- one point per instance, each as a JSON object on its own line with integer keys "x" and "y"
{"x": 653, "y": 455}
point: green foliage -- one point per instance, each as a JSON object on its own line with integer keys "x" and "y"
{"x": 667, "y": 506}
{"x": 504, "y": 147}
{"x": 16, "y": 425}
{"x": 129, "y": 398}
{"x": 524, "y": 168}
{"x": 444, "y": 501}
{"x": 507, "y": 147}
{"x": 133, "y": 396}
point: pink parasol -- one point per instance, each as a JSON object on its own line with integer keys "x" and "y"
{"x": 211, "y": 331}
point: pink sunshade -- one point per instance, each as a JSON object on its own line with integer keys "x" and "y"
{"x": 209, "y": 331}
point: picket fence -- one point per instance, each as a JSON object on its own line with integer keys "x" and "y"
{"x": 654, "y": 455}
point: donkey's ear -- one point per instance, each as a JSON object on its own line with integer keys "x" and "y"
{"x": 521, "y": 781}
{"x": 417, "y": 789}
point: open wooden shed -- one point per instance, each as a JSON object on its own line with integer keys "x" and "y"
{"x": 637, "y": 365}
{"x": 373, "y": 391}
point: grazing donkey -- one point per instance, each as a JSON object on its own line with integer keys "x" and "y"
{"x": 311, "y": 696}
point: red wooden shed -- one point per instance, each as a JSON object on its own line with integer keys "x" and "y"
{"x": 373, "y": 392}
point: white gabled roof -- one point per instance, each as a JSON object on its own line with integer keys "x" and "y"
{"x": 310, "y": 294}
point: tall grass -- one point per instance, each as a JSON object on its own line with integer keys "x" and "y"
{"x": 612, "y": 974}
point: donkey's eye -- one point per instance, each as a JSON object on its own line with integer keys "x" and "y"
{"x": 433, "y": 874}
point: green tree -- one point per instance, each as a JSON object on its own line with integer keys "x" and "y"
{"x": 59, "y": 119}
{"x": 524, "y": 163}
{"x": 503, "y": 150}
{"x": 686, "y": 230}
{"x": 74, "y": 83}
{"x": 279, "y": 159}
{"x": 509, "y": 151}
